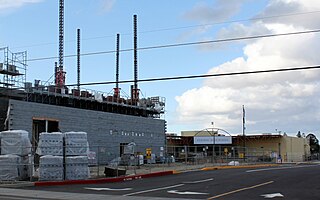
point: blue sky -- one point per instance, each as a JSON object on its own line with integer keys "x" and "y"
{"x": 287, "y": 102}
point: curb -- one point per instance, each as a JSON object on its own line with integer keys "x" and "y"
{"x": 238, "y": 167}
{"x": 103, "y": 180}
{"x": 17, "y": 185}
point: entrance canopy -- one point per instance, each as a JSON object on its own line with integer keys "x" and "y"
{"x": 212, "y": 140}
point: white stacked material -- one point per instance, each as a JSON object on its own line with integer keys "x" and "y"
{"x": 51, "y": 168}
{"x": 15, "y": 142}
{"x": 9, "y": 167}
{"x": 77, "y": 168}
{"x": 76, "y": 144}
{"x": 50, "y": 144}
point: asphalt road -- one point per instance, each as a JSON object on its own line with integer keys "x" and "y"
{"x": 285, "y": 182}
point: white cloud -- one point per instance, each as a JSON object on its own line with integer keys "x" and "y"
{"x": 12, "y": 4}
{"x": 306, "y": 8}
{"x": 107, "y": 5}
{"x": 287, "y": 101}
{"x": 203, "y": 13}
{"x": 221, "y": 10}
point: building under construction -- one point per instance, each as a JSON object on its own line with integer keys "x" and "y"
{"x": 109, "y": 119}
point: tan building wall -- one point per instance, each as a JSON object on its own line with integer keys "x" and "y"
{"x": 294, "y": 149}
{"x": 291, "y": 149}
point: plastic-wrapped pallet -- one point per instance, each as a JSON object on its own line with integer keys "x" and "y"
{"x": 77, "y": 168}
{"x": 50, "y": 144}
{"x": 9, "y": 167}
{"x": 15, "y": 142}
{"x": 76, "y": 144}
{"x": 51, "y": 168}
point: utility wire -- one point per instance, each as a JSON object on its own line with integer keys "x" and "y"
{"x": 181, "y": 44}
{"x": 204, "y": 75}
{"x": 233, "y": 21}
{"x": 181, "y": 27}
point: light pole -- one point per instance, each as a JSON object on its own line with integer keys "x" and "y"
{"x": 214, "y": 142}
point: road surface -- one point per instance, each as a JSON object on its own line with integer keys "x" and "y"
{"x": 285, "y": 182}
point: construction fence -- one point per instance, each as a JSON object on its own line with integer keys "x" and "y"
{"x": 59, "y": 162}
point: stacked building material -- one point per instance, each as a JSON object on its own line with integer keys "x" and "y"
{"x": 16, "y": 162}
{"x": 51, "y": 168}
{"x": 50, "y": 144}
{"x": 76, "y": 144}
{"x": 76, "y": 152}
{"x": 77, "y": 168}
{"x": 63, "y": 156}
{"x": 15, "y": 142}
{"x": 50, "y": 150}
{"x": 9, "y": 167}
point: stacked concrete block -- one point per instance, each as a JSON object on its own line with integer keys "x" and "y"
{"x": 77, "y": 168}
{"x": 50, "y": 144}
{"x": 9, "y": 167}
{"x": 76, "y": 144}
{"x": 15, "y": 160}
{"x": 51, "y": 168}
{"x": 15, "y": 142}
{"x": 76, "y": 152}
{"x": 50, "y": 149}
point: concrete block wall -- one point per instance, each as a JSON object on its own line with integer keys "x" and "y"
{"x": 3, "y": 112}
{"x": 105, "y": 130}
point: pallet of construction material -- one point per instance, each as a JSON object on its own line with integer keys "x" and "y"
{"x": 15, "y": 142}
{"x": 9, "y": 167}
{"x": 77, "y": 168}
{"x": 76, "y": 144}
{"x": 50, "y": 144}
{"x": 75, "y": 135}
{"x": 51, "y": 168}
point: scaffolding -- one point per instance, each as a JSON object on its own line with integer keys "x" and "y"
{"x": 13, "y": 68}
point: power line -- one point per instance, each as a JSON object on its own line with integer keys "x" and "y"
{"x": 234, "y": 21}
{"x": 182, "y": 44}
{"x": 204, "y": 75}
{"x": 181, "y": 27}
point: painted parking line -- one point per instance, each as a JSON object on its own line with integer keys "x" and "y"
{"x": 280, "y": 168}
{"x": 239, "y": 190}
{"x": 186, "y": 192}
{"x": 152, "y": 190}
{"x": 108, "y": 189}
{"x": 200, "y": 181}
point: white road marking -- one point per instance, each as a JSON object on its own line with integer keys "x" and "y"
{"x": 200, "y": 181}
{"x": 270, "y": 196}
{"x": 186, "y": 193}
{"x": 152, "y": 190}
{"x": 109, "y": 189}
{"x": 279, "y": 168}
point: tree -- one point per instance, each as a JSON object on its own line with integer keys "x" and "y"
{"x": 314, "y": 143}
